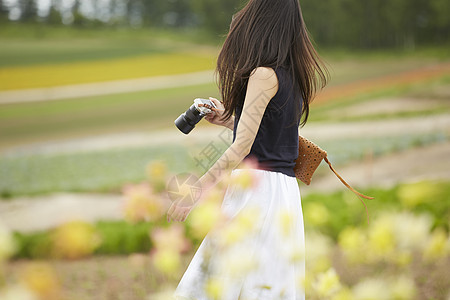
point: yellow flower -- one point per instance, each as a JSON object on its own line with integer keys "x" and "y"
{"x": 305, "y": 282}
{"x": 156, "y": 174}
{"x": 353, "y": 243}
{"x": 403, "y": 288}
{"x": 74, "y": 239}
{"x": 285, "y": 221}
{"x": 167, "y": 261}
{"x": 239, "y": 227}
{"x": 343, "y": 294}
{"x": 381, "y": 239}
{"x": 214, "y": 288}
{"x": 403, "y": 257}
{"x": 7, "y": 244}
{"x": 244, "y": 177}
{"x": 316, "y": 214}
{"x": 318, "y": 250}
{"x": 156, "y": 170}
{"x": 413, "y": 194}
{"x": 204, "y": 217}
{"x": 327, "y": 283}
{"x": 437, "y": 246}
{"x": 42, "y": 280}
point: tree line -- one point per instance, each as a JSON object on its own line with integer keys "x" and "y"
{"x": 359, "y": 24}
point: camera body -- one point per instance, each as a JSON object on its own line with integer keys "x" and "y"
{"x": 187, "y": 120}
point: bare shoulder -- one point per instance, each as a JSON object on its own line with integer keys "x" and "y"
{"x": 264, "y": 74}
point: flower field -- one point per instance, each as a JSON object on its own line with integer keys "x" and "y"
{"x": 404, "y": 253}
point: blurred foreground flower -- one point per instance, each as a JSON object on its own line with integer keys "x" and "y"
{"x": 238, "y": 228}
{"x": 7, "y": 244}
{"x": 74, "y": 239}
{"x": 167, "y": 261}
{"x": 372, "y": 289}
{"x": 156, "y": 174}
{"x": 244, "y": 178}
{"x": 207, "y": 214}
{"x": 169, "y": 243}
{"x": 41, "y": 279}
{"x": 141, "y": 204}
{"x": 411, "y": 230}
{"x": 237, "y": 260}
{"x": 413, "y": 194}
{"x": 17, "y": 292}
{"x": 437, "y": 246}
{"x": 318, "y": 252}
{"x": 327, "y": 284}
{"x": 403, "y": 288}
{"x": 214, "y": 287}
{"x": 172, "y": 237}
{"x": 353, "y": 243}
{"x": 381, "y": 239}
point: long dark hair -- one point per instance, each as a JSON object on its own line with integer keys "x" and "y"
{"x": 269, "y": 33}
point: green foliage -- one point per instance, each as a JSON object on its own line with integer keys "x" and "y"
{"x": 123, "y": 238}
{"x": 117, "y": 237}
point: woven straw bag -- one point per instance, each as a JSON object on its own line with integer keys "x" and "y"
{"x": 309, "y": 157}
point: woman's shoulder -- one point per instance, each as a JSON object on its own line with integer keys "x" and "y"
{"x": 264, "y": 74}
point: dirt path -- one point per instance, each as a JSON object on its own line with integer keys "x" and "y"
{"x": 105, "y": 88}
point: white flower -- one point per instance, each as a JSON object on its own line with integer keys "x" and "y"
{"x": 17, "y": 292}
{"x": 412, "y": 231}
{"x": 372, "y": 289}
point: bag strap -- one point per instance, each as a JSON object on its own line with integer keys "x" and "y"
{"x": 352, "y": 189}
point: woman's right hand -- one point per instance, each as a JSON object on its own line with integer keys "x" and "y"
{"x": 216, "y": 114}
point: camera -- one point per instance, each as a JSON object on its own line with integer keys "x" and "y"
{"x": 187, "y": 120}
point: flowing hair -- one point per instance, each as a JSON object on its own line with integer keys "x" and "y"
{"x": 269, "y": 33}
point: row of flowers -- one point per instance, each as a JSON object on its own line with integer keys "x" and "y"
{"x": 380, "y": 261}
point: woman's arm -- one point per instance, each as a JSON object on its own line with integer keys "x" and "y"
{"x": 230, "y": 123}
{"x": 262, "y": 86}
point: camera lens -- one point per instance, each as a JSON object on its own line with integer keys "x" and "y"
{"x": 187, "y": 120}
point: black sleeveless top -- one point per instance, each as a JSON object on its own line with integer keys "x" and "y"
{"x": 276, "y": 143}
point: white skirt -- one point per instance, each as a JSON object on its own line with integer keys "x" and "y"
{"x": 268, "y": 263}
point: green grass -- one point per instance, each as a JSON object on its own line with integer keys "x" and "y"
{"x": 24, "y": 45}
{"x": 142, "y": 111}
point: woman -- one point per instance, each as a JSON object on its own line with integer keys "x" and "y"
{"x": 268, "y": 75}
